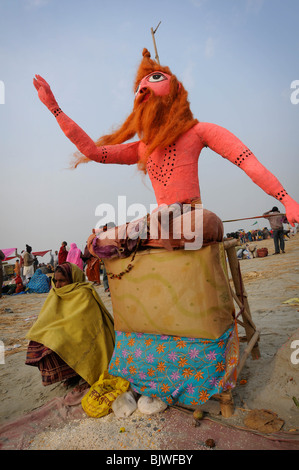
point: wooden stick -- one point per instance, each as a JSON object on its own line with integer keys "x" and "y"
{"x": 242, "y": 296}
{"x": 247, "y": 350}
{"x": 240, "y": 322}
{"x": 153, "y": 35}
{"x": 245, "y": 313}
{"x": 226, "y": 403}
{"x": 249, "y": 218}
{"x": 230, "y": 243}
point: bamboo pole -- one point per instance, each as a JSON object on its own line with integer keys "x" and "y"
{"x": 241, "y": 295}
{"x": 247, "y": 351}
{"x": 154, "y": 41}
{"x": 248, "y": 318}
{"x": 226, "y": 403}
{"x": 249, "y": 218}
{"x": 230, "y": 243}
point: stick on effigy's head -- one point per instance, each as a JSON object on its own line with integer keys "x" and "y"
{"x": 161, "y": 111}
{"x": 154, "y": 41}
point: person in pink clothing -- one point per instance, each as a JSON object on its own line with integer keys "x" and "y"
{"x": 170, "y": 142}
{"x": 75, "y": 256}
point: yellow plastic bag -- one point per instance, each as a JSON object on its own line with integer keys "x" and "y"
{"x": 98, "y": 400}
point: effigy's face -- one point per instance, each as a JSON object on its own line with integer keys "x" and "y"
{"x": 157, "y": 81}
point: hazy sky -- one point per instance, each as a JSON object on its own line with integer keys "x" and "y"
{"x": 237, "y": 59}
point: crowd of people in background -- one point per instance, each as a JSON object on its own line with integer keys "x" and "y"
{"x": 255, "y": 235}
{"x": 251, "y": 235}
{"x": 32, "y": 276}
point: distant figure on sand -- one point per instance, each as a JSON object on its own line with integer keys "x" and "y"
{"x": 276, "y": 220}
{"x": 2, "y": 258}
{"x": 75, "y": 256}
{"x": 93, "y": 265}
{"x": 39, "y": 283}
{"x": 55, "y": 259}
{"x": 28, "y": 262}
{"x": 62, "y": 255}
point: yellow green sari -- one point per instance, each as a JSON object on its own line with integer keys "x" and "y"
{"x": 75, "y": 324}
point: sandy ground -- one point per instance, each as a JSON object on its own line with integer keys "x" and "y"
{"x": 270, "y": 382}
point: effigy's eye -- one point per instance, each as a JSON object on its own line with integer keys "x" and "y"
{"x": 156, "y": 77}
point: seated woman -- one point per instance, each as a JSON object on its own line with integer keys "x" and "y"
{"x": 15, "y": 286}
{"x": 19, "y": 284}
{"x": 39, "y": 283}
{"x": 73, "y": 337}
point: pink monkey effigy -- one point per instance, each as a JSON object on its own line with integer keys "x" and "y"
{"x": 162, "y": 356}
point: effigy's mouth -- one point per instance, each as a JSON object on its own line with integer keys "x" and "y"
{"x": 143, "y": 97}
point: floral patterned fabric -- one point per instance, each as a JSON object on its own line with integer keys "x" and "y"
{"x": 176, "y": 369}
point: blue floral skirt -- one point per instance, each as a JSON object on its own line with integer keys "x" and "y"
{"x": 176, "y": 369}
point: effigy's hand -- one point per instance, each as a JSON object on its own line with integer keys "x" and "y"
{"x": 292, "y": 211}
{"x": 45, "y": 93}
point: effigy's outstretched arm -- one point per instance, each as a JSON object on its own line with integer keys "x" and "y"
{"x": 121, "y": 153}
{"x": 226, "y": 144}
